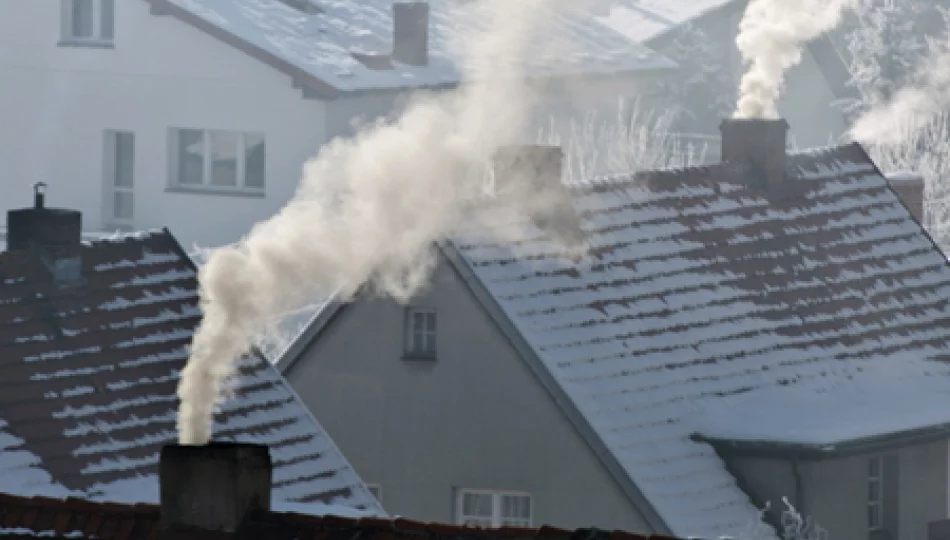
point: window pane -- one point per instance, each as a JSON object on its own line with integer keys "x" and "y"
{"x": 124, "y": 159}
{"x": 874, "y": 491}
{"x": 107, "y": 19}
{"x": 874, "y": 467}
{"x": 516, "y": 507}
{"x": 430, "y": 322}
{"x": 477, "y": 505}
{"x": 122, "y": 205}
{"x": 255, "y": 160}
{"x": 190, "y": 156}
{"x": 874, "y": 517}
{"x": 224, "y": 148}
{"x": 82, "y": 18}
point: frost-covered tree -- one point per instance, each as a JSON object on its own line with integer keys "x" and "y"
{"x": 703, "y": 90}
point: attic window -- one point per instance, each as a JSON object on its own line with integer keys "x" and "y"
{"x": 302, "y": 5}
{"x": 420, "y": 333}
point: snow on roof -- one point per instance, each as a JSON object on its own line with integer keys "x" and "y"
{"x": 644, "y": 20}
{"x": 320, "y": 44}
{"x": 874, "y": 404}
{"x": 88, "y": 394}
{"x": 700, "y": 291}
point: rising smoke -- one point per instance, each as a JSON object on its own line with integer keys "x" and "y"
{"x": 911, "y": 108}
{"x": 772, "y": 36}
{"x": 369, "y": 208}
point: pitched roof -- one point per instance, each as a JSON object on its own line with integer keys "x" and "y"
{"x": 88, "y": 395}
{"x": 700, "y": 292}
{"x": 646, "y": 20}
{"x": 315, "y": 48}
{"x": 22, "y": 517}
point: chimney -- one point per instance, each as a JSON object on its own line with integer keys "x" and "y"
{"x": 411, "y": 33}
{"x": 757, "y": 148}
{"x": 52, "y": 234}
{"x": 212, "y": 487}
{"x": 909, "y": 187}
{"x": 533, "y": 174}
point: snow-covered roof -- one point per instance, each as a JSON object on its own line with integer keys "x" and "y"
{"x": 320, "y": 44}
{"x": 645, "y": 20}
{"x": 700, "y": 291}
{"x": 90, "y": 374}
{"x": 877, "y": 403}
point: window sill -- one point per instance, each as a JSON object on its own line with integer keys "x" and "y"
{"x": 223, "y": 192}
{"x": 85, "y": 44}
{"x": 418, "y": 357}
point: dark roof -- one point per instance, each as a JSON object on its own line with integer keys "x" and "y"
{"x": 90, "y": 373}
{"x": 316, "y": 49}
{"x": 22, "y": 517}
{"x": 701, "y": 291}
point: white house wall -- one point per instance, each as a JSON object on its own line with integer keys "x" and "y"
{"x": 56, "y": 102}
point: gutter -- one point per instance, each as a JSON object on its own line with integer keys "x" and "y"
{"x": 819, "y": 452}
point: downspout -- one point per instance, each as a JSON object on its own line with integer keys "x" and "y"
{"x": 799, "y": 487}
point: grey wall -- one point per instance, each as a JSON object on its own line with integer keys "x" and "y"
{"x": 475, "y": 417}
{"x": 836, "y": 491}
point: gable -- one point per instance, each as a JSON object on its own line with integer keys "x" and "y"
{"x": 699, "y": 289}
{"x": 91, "y": 372}
{"x": 476, "y": 415}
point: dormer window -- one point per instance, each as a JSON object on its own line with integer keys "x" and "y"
{"x": 88, "y": 23}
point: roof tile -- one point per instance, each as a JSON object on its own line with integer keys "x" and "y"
{"x": 91, "y": 372}
{"x": 699, "y": 289}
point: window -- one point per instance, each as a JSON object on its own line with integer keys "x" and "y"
{"x": 377, "y": 492}
{"x": 420, "y": 333}
{"x": 88, "y": 22}
{"x": 217, "y": 161}
{"x": 119, "y": 177}
{"x": 493, "y": 508}
{"x": 875, "y": 493}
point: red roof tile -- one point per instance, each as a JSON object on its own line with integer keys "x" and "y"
{"x": 88, "y": 395}
{"x": 106, "y": 521}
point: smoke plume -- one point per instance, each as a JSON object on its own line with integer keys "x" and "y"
{"x": 911, "y": 108}
{"x": 369, "y": 208}
{"x": 772, "y": 36}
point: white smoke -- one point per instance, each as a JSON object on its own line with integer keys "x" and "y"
{"x": 772, "y": 36}
{"x": 910, "y": 109}
{"x": 369, "y": 208}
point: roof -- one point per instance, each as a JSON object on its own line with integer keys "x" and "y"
{"x": 72, "y": 518}
{"x": 88, "y": 395}
{"x": 646, "y": 20}
{"x": 700, "y": 291}
{"x": 315, "y": 48}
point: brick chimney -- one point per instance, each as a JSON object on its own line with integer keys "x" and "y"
{"x": 756, "y": 147}
{"x": 909, "y": 187}
{"x": 51, "y": 234}
{"x": 212, "y": 487}
{"x": 411, "y": 33}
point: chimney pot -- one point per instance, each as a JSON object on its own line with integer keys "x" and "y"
{"x": 39, "y": 194}
{"x": 758, "y": 146}
{"x": 411, "y": 33}
{"x": 909, "y": 187}
{"x": 214, "y": 486}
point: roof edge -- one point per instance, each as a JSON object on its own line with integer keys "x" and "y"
{"x": 317, "y": 87}
{"x": 819, "y": 452}
{"x": 304, "y": 340}
{"x": 562, "y": 401}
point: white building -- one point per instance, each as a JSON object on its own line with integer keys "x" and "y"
{"x": 198, "y": 114}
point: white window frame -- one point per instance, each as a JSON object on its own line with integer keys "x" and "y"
{"x": 110, "y": 171}
{"x": 496, "y": 518}
{"x": 174, "y": 182}
{"x": 96, "y": 38}
{"x": 410, "y": 348}
{"x": 876, "y": 506}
